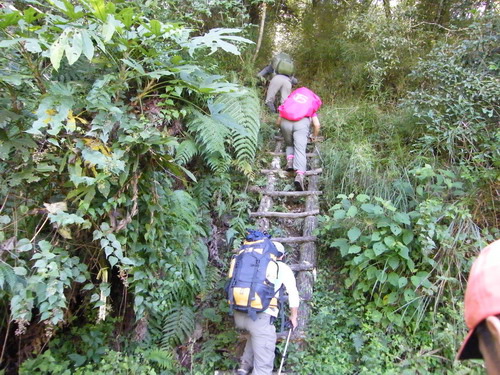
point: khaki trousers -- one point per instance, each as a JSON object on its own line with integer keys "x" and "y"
{"x": 259, "y": 349}
{"x": 295, "y": 134}
{"x": 279, "y": 83}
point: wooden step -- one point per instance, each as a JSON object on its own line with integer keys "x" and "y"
{"x": 303, "y": 266}
{"x": 272, "y": 153}
{"x": 257, "y": 189}
{"x": 219, "y": 372}
{"x": 291, "y": 215}
{"x": 280, "y": 138}
{"x": 308, "y": 173}
{"x": 295, "y": 239}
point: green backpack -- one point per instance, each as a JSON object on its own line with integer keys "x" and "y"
{"x": 282, "y": 63}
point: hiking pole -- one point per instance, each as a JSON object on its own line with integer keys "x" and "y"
{"x": 284, "y": 351}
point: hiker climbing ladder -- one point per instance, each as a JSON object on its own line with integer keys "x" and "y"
{"x": 305, "y": 267}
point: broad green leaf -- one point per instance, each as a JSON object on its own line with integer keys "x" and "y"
{"x": 390, "y": 298}
{"x": 77, "y": 359}
{"x": 24, "y": 245}
{"x": 21, "y": 271}
{"x": 402, "y": 217}
{"x": 4, "y": 219}
{"x": 108, "y": 250}
{"x": 352, "y": 211}
{"x": 109, "y": 28}
{"x": 57, "y": 49}
{"x": 403, "y": 281}
{"x": 362, "y": 198}
{"x": 104, "y": 188}
{"x": 370, "y": 254}
{"x": 389, "y": 241}
{"x": 382, "y": 276}
{"x": 393, "y": 262}
{"x": 379, "y": 248}
{"x": 372, "y": 273}
{"x": 112, "y": 260}
{"x": 32, "y": 45}
{"x": 87, "y": 45}
{"x": 393, "y": 279}
{"x": 359, "y": 259}
{"x": 396, "y": 229}
{"x": 74, "y": 47}
{"x": 368, "y": 207}
{"x": 404, "y": 252}
{"x": 376, "y": 236}
{"x": 415, "y": 280}
{"x": 353, "y": 234}
{"x": 342, "y": 244}
{"x": 339, "y": 214}
{"x": 354, "y": 249}
{"x": 407, "y": 236}
{"x": 409, "y": 295}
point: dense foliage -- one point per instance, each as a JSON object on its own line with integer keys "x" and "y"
{"x": 126, "y": 155}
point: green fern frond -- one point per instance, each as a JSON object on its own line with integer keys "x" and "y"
{"x": 178, "y": 324}
{"x": 218, "y": 163}
{"x": 230, "y": 132}
{"x": 186, "y": 151}
{"x": 164, "y": 359}
{"x": 243, "y": 107}
{"x": 210, "y": 136}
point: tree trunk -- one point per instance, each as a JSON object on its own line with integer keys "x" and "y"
{"x": 387, "y": 9}
{"x": 261, "y": 30}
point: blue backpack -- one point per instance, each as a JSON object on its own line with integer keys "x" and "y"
{"x": 251, "y": 275}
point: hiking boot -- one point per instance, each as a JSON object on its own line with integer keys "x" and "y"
{"x": 289, "y": 165}
{"x": 299, "y": 182}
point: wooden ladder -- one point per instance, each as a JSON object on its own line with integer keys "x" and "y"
{"x": 305, "y": 267}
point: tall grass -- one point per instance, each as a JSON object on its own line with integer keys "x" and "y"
{"x": 366, "y": 150}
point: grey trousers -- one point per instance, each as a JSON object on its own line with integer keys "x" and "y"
{"x": 259, "y": 349}
{"x": 279, "y": 83}
{"x": 295, "y": 134}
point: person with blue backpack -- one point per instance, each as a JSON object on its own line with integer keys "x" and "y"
{"x": 256, "y": 277}
{"x": 281, "y": 70}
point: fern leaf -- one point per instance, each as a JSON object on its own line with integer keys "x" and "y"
{"x": 243, "y": 108}
{"x": 186, "y": 151}
{"x": 177, "y": 325}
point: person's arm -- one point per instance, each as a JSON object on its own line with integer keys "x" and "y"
{"x": 293, "y": 316}
{"x": 266, "y": 71}
{"x": 293, "y": 294}
{"x": 316, "y": 126}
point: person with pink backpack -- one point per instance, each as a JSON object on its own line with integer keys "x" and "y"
{"x": 296, "y": 115}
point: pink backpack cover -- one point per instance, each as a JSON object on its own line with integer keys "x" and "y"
{"x": 299, "y": 104}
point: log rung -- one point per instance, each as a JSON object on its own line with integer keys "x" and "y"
{"x": 285, "y": 193}
{"x": 311, "y": 172}
{"x": 306, "y": 266}
{"x": 295, "y": 239}
{"x": 273, "y": 153}
{"x": 291, "y": 215}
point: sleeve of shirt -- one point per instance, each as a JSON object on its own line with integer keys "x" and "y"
{"x": 290, "y": 284}
{"x": 266, "y": 71}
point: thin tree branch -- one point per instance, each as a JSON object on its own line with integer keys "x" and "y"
{"x": 261, "y": 30}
